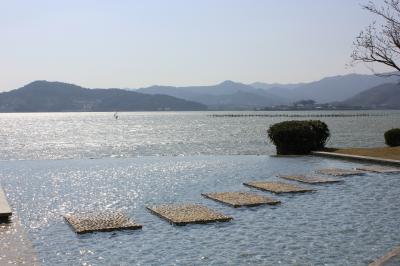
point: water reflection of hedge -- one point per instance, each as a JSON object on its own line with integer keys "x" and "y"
{"x": 298, "y": 137}
{"x": 392, "y": 137}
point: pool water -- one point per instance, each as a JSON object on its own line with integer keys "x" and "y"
{"x": 348, "y": 223}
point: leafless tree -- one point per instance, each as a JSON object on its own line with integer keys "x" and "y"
{"x": 380, "y": 41}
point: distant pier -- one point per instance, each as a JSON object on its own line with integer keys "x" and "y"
{"x": 297, "y": 115}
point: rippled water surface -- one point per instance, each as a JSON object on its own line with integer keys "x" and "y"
{"x": 340, "y": 224}
{"x": 98, "y": 135}
{"x": 108, "y": 164}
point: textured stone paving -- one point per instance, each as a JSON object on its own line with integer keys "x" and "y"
{"x": 240, "y": 199}
{"x": 277, "y": 187}
{"x": 339, "y": 172}
{"x": 379, "y": 169}
{"x": 310, "y": 179}
{"x": 104, "y": 221}
{"x": 182, "y": 214}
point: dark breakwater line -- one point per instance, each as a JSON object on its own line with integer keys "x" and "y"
{"x": 296, "y": 115}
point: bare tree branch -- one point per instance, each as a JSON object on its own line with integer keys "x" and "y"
{"x": 380, "y": 43}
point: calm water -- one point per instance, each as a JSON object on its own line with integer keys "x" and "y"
{"x": 99, "y": 135}
{"x": 341, "y": 224}
{"x": 350, "y": 223}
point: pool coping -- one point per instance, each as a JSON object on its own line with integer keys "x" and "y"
{"x": 5, "y": 210}
{"x": 20, "y": 250}
{"x": 368, "y": 159}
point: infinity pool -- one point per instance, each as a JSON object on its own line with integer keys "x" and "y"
{"x": 350, "y": 223}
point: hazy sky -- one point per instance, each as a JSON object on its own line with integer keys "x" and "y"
{"x": 133, "y": 44}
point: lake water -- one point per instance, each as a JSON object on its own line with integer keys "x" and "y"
{"x": 99, "y": 135}
{"x": 136, "y": 164}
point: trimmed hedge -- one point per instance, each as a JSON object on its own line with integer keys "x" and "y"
{"x": 298, "y": 137}
{"x": 392, "y": 137}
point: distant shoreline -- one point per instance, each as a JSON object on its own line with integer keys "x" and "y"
{"x": 200, "y": 111}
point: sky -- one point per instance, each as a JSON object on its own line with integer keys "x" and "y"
{"x": 133, "y": 44}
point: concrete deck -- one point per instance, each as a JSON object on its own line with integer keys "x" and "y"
{"x": 310, "y": 179}
{"x": 277, "y": 187}
{"x": 15, "y": 247}
{"x": 390, "y": 259}
{"x": 5, "y": 210}
{"x": 182, "y": 214}
{"x": 357, "y": 158}
{"x": 240, "y": 199}
{"x": 100, "y": 222}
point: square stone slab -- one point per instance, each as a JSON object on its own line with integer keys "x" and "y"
{"x": 182, "y": 214}
{"x": 339, "y": 172}
{"x": 379, "y": 169}
{"x": 240, "y": 199}
{"x": 277, "y": 187}
{"x": 104, "y": 221}
{"x": 310, "y": 179}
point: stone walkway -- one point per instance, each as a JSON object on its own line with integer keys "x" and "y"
{"x": 277, "y": 187}
{"x": 182, "y": 214}
{"x": 101, "y": 222}
{"x": 310, "y": 179}
{"x": 240, "y": 199}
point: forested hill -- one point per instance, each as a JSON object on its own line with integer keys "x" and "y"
{"x": 382, "y": 96}
{"x": 44, "y": 96}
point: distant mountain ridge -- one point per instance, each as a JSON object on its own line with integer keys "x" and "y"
{"x": 226, "y": 95}
{"x": 382, "y": 96}
{"x": 329, "y": 89}
{"x": 44, "y": 96}
{"x": 235, "y": 95}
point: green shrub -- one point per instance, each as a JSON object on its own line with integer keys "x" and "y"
{"x": 298, "y": 137}
{"x": 392, "y": 137}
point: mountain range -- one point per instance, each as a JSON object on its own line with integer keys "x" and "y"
{"x": 354, "y": 90}
{"x": 44, "y": 96}
{"x": 226, "y": 95}
{"x": 234, "y": 95}
{"x": 382, "y": 96}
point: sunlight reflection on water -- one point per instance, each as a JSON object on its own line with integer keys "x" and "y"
{"x": 148, "y": 158}
{"x": 99, "y": 135}
{"x": 341, "y": 224}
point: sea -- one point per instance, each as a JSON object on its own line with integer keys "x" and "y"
{"x": 52, "y": 164}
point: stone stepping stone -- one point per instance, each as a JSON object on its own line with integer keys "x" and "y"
{"x": 182, "y": 214}
{"x": 103, "y": 222}
{"x": 240, "y": 199}
{"x": 379, "y": 169}
{"x": 310, "y": 179}
{"x": 277, "y": 187}
{"x": 339, "y": 172}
